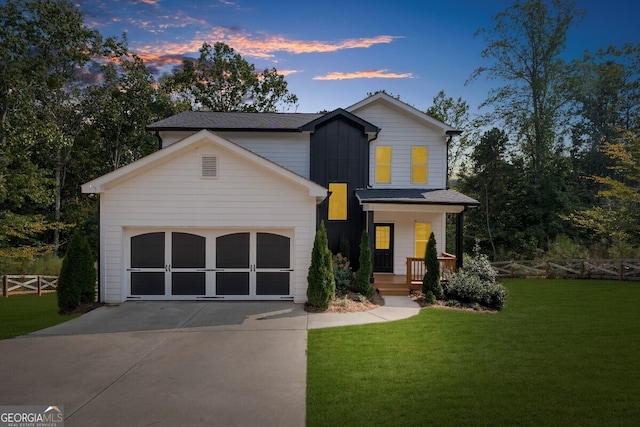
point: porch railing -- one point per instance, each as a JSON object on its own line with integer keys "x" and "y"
{"x": 416, "y": 268}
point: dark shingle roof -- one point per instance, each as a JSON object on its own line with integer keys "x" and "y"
{"x": 234, "y": 121}
{"x": 414, "y": 195}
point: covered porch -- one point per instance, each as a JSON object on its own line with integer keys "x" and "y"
{"x": 399, "y": 222}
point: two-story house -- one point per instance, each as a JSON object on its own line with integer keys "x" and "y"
{"x": 228, "y": 207}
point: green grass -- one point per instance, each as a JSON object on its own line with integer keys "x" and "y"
{"x": 561, "y": 353}
{"x": 21, "y": 314}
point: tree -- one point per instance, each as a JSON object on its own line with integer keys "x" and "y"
{"x": 431, "y": 286}
{"x": 455, "y": 113}
{"x": 525, "y": 45}
{"x": 221, "y": 80}
{"x": 77, "y": 280}
{"x": 618, "y": 219}
{"x": 365, "y": 269}
{"x": 321, "y": 285}
{"x": 45, "y": 47}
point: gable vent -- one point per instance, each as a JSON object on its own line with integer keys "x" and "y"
{"x": 210, "y": 167}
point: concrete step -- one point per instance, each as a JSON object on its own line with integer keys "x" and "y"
{"x": 393, "y": 290}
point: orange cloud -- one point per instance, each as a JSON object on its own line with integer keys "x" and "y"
{"x": 366, "y": 74}
{"x": 262, "y": 46}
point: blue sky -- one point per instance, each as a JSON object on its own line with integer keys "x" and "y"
{"x": 335, "y": 52}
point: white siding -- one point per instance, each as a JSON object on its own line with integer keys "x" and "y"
{"x": 401, "y": 132}
{"x": 287, "y": 149}
{"x": 172, "y": 195}
{"x": 404, "y": 234}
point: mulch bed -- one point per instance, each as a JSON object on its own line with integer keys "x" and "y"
{"x": 349, "y": 303}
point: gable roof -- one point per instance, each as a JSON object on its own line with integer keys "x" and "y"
{"x": 105, "y": 182}
{"x": 237, "y": 121}
{"x": 383, "y": 98}
{"x": 368, "y": 127}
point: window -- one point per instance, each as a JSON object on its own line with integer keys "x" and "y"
{"x": 209, "y": 167}
{"x": 383, "y": 237}
{"x": 419, "y": 158}
{"x": 423, "y": 230}
{"x": 338, "y": 201}
{"x": 383, "y": 165}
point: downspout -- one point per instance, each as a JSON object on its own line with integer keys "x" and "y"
{"x": 160, "y": 140}
{"x": 450, "y": 134}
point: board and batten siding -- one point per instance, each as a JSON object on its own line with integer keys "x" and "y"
{"x": 404, "y": 234}
{"x": 401, "y": 132}
{"x": 245, "y": 196}
{"x": 287, "y": 149}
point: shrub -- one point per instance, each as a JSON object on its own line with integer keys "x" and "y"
{"x": 342, "y": 273}
{"x": 321, "y": 287}
{"x": 431, "y": 279}
{"x": 77, "y": 280}
{"x": 363, "y": 276}
{"x": 476, "y": 283}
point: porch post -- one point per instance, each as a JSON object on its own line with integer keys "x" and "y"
{"x": 371, "y": 229}
{"x": 459, "y": 238}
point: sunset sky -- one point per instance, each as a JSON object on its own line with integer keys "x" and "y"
{"x": 334, "y": 52}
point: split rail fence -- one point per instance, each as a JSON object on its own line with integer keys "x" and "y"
{"x": 615, "y": 269}
{"x": 25, "y": 284}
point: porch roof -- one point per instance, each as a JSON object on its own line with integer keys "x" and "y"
{"x": 414, "y": 196}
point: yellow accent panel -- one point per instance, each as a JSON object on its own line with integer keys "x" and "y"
{"x": 383, "y": 165}
{"x": 423, "y": 231}
{"x": 419, "y": 161}
{"x": 383, "y": 237}
{"x": 338, "y": 201}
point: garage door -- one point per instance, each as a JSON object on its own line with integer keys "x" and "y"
{"x": 210, "y": 265}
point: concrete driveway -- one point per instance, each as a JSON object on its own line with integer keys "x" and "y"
{"x": 166, "y": 363}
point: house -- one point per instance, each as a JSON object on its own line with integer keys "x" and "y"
{"x": 228, "y": 207}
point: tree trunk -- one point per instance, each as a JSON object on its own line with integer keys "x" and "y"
{"x": 58, "y": 204}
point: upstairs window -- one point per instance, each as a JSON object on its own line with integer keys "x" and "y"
{"x": 337, "y": 201}
{"x": 419, "y": 159}
{"x": 422, "y": 233}
{"x": 383, "y": 165}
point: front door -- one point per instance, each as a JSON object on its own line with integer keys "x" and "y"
{"x": 383, "y": 248}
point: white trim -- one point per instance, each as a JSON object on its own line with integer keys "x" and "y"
{"x": 399, "y": 207}
{"x": 202, "y": 137}
{"x": 401, "y": 106}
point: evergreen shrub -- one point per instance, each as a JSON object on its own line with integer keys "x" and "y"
{"x": 321, "y": 285}
{"x": 77, "y": 279}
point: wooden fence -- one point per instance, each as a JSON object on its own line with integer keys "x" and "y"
{"x": 21, "y": 284}
{"x": 616, "y": 269}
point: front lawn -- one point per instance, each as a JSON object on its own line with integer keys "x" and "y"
{"x": 21, "y": 314}
{"x": 561, "y": 352}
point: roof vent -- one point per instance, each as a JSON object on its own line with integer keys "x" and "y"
{"x": 209, "y": 167}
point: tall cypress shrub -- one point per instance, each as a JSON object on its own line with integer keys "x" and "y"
{"x": 77, "y": 279}
{"x": 431, "y": 286}
{"x": 321, "y": 285}
{"x": 363, "y": 275}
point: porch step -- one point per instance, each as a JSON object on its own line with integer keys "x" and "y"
{"x": 393, "y": 291}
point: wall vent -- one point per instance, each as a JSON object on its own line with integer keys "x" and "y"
{"x": 209, "y": 167}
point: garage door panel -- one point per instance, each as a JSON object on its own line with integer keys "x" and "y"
{"x": 232, "y": 250}
{"x": 188, "y": 250}
{"x": 272, "y": 251}
{"x": 189, "y": 283}
{"x": 147, "y": 283}
{"x": 233, "y": 283}
{"x": 147, "y": 250}
{"x": 272, "y": 283}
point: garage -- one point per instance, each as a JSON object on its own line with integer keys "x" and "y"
{"x": 177, "y": 264}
